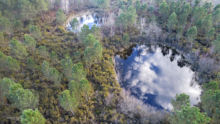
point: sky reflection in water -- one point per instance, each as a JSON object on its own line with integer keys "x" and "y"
{"x": 90, "y": 20}
{"x": 153, "y": 78}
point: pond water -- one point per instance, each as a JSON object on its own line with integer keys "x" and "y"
{"x": 155, "y": 77}
{"x": 90, "y": 19}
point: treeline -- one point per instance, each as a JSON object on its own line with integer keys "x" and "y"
{"x": 14, "y": 13}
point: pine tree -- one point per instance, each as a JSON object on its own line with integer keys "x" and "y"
{"x": 17, "y": 49}
{"x": 30, "y": 116}
{"x": 8, "y": 64}
{"x": 172, "y": 22}
{"x": 30, "y": 42}
{"x": 22, "y": 98}
{"x": 191, "y": 33}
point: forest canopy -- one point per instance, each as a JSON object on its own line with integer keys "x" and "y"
{"x": 51, "y": 75}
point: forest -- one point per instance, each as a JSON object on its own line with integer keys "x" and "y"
{"x": 54, "y": 74}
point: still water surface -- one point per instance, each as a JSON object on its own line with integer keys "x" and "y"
{"x": 156, "y": 78}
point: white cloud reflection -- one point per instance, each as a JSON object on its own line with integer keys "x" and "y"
{"x": 153, "y": 73}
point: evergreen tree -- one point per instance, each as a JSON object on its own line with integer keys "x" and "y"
{"x": 30, "y": 116}
{"x": 60, "y": 17}
{"x": 35, "y": 31}
{"x": 191, "y": 33}
{"x": 5, "y": 84}
{"x": 164, "y": 11}
{"x": 93, "y": 54}
{"x": 42, "y": 50}
{"x": 50, "y": 73}
{"x": 102, "y": 3}
{"x": 207, "y": 24}
{"x": 68, "y": 101}
{"x": 210, "y": 101}
{"x": 216, "y": 45}
{"x": 184, "y": 13}
{"x": 180, "y": 101}
{"x": 189, "y": 115}
{"x": 29, "y": 42}
{"x": 78, "y": 72}
{"x": 90, "y": 40}
{"x": 8, "y": 64}
{"x": 22, "y": 98}
{"x": 198, "y": 15}
{"x": 184, "y": 114}
{"x": 127, "y": 18}
{"x": 216, "y": 16}
{"x": 17, "y": 49}
{"x": 5, "y": 24}
{"x": 74, "y": 23}
{"x": 141, "y": 8}
{"x": 172, "y": 22}
{"x": 67, "y": 65}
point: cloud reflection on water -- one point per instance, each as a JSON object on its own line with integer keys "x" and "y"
{"x": 153, "y": 78}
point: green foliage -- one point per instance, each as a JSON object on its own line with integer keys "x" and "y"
{"x": 5, "y": 84}
{"x": 74, "y": 23}
{"x": 22, "y": 98}
{"x": 73, "y": 71}
{"x": 216, "y": 45}
{"x": 126, "y": 38}
{"x": 211, "y": 99}
{"x": 22, "y": 9}
{"x": 42, "y": 50}
{"x": 102, "y": 3}
{"x": 198, "y": 14}
{"x": 31, "y": 64}
{"x": 60, "y": 17}
{"x": 181, "y": 100}
{"x": 127, "y": 18}
{"x": 30, "y": 116}
{"x": 50, "y": 73}
{"x": 54, "y": 57}
{"x": 5, "y": 24}
{"x": 183, "y": 12}
{"x": 78, "y": 72}
{"x": 81, "y": 88}
{"x": 216, "y": 16}
{"x": 93, "y": 54}
{"x": 68, "y": 101}
{"x": 2, "y": 38}
{"x": 8, "y": 64}
{"x": 85, "y": 31}
{"x": 172, "y": 22}
{"x": 35, "y": 31}
{"x": 184, "y": 114}
{"x": 90, "y": 40}
{"x": 29, "y": 42}
{"x": 141, "y": 8}
{"x": 189, "y": 115}
{"x": 17, "y": 49}
{"x": 191, "y": 33}
{"x": 210, "y": 34}
{"x": 67, "y": 66}
{"x": 206, "y": 25}
{"x": 164, "y": 10}
{"x": 72, "y": 98}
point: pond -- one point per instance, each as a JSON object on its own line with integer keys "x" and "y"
{"x": 89, "y": 19}
{"x": 155, "y": 76}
